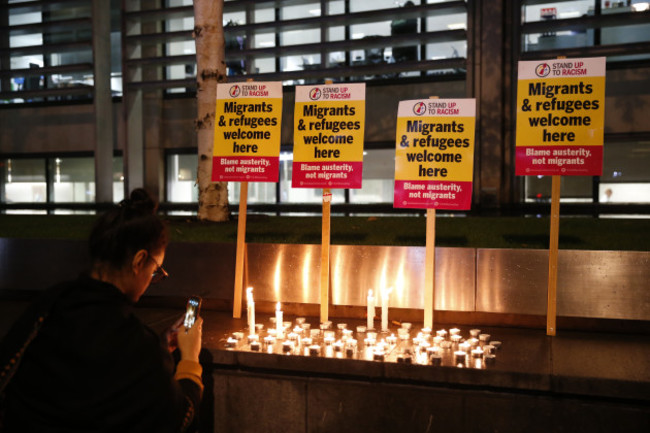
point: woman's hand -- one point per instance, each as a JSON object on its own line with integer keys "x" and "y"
{"x": 189, "y": 340}
{"x": 172, "y": 333}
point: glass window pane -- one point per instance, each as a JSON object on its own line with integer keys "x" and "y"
{"x": 181, "y": 178}
{"x": 577, "y": 189}
{"x": 118, "y": 179}
{"x": 378, "y": 175}
{"x": 74, "y": 180}
{"x": 258, "y": 192}
{"x": 25, "y": 181}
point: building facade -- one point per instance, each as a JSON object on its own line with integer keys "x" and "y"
{"x": 98, "y": 97}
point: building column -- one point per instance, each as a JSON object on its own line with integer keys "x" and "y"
{"x": 491, "y": 63}
{"x": 103, "y": 101}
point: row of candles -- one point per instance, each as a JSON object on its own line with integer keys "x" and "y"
{"x": 250, "y": 304}
{"x": 477, "y": 351}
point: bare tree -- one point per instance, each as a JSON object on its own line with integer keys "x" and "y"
{"x": 211, "y": 69}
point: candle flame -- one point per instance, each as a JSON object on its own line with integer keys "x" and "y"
{"x": 277, "y": 306}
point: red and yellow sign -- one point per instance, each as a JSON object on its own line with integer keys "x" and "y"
{"x": 328, "y": 133}
{"x": 560, "y": 117}
{"x": 247, "y": 132}
{"x": 434, "y": 154}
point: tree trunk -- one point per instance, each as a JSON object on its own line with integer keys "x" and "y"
{"x": 210, "y": 69}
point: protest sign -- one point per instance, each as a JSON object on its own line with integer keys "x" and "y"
{"x": 328, "y": 136}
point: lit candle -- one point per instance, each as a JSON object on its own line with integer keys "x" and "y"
{"x": 279, "y": 325}
{"x": 384, "y": 309}
{"x": 250, "y": 303}
{"x": 371, "y": 310}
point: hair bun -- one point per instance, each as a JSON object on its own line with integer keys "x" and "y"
{"x": 139, "y": 202}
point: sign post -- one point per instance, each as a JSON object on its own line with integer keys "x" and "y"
{"x": 246, "y": 149}
{"x": 560, "y": 125}
{"x": 434, "y": 166}
{"x": 329, "y": 124}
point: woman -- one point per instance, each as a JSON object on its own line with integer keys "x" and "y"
{"x": 85, "y": 361}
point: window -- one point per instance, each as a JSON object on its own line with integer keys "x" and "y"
{"x": 595, "y": 23}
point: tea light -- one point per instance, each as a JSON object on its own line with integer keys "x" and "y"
{"x": 426, "y": 331}
{"x": 489, "y": 349}
{"x": 338, "y": 346}
{"x": 238, "y": 335}
{"x": 361, "y": 329}
{"x": 306, "y": 326}
{"x": 441, "y": 333}
{"x": 473, "y": 342}
{"x": 369, "y": 342}
{"x": 454, "y": 331}
{"x": 269, "y": 341}
{"x": 484, "y": 338}
{"x": 403, "y": 333}
{"x": 329, "y": 334}
{"x": 392, "y": 340}
{"x": 314, "y": 350}
{"x": 341, "y": 326}
{"x": 286, "y": 325}
{"x": 474, "y": 332}
{"x": 460, "y": 357}
{"x": 252, "y": 338}
{"x": 300, "y": 320}
{"x": 372, "y": 335}
{"x": 272, "y": 332}
{"x": 370, "y": 313}
{"x": 347, "y": 334}
{"x": 293, "y": 337}
{"x": 404, "y": 358}
{"x": 298, "y": 330}
{"x": 378, "y": 355}
{"x": 327, "y": 324}
{"x": 456, "y": 339}
{"x": 231, "y": 343}
{"x": 314, "y": 333}
{"x": 306, "y": 342}
{"x": 328, "y": 341}
{"x": 255, "y": 346}
{"x": 279, "y": 330}
{"x": 406, "y": 325}
{"x": 477, "y": 353}
{"x": 446, "y": 344}
{"x": 496, "y": 344}
{"x": 350, "y": 348}
{"x": 437, "y": 340}
{"x": 489, "y": 359}
{"x": 259, "y": 327}
{"x": 250, "y": 310}
{"x": 287, "y": 346}
{"x": 464, "y": 347}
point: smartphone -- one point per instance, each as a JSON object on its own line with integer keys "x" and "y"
{"x": 192, "y": 311}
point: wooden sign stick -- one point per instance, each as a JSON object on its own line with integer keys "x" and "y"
{"x": 325, "y": 257}
{"x": 551, "y": 327}
{"x": 551, "y": 303}
{"x": 325, "y": 252}
{"x": 430, "y": 266}
{"x": 240, "y": 255}
{"x": 430, "y": 269}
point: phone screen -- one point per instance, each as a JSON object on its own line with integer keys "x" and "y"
{"x": 193, "y": 306}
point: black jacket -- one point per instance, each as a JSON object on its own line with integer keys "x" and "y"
{"x": 94, "y": 367}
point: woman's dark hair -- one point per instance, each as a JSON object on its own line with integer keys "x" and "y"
{"x": 130, "y": 226}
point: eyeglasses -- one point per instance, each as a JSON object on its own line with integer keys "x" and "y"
{"x": 159, "y": 274}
